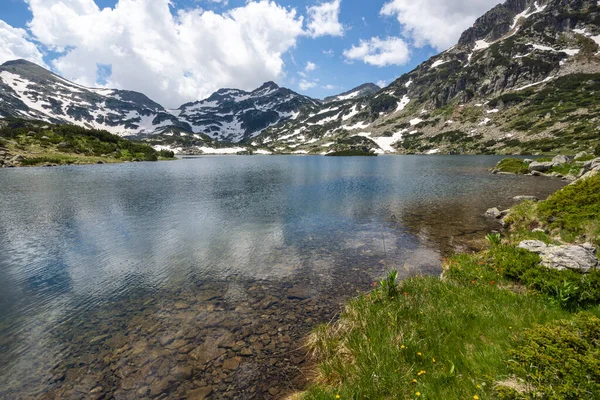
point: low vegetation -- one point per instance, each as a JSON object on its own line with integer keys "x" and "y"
{"x": 513, "y": 166}
{"x": 42, "y": 143}
{"x": 498, "y": 325}
{"x": 351, "y": 153}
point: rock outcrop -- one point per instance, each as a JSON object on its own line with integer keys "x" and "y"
{"x": 580, "y": 258}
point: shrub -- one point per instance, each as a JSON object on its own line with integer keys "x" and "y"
{"x": 560, "y": 360}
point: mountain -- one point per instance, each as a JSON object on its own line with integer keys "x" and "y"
{"x": 32, "y": 92}
{"x": 523, "y": 79}
{"x": 367, "y": 89}
{"x": 233, "y": 115}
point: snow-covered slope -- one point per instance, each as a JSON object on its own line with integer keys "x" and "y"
{"x": 234, "y": 115}
{"x": 367, "y": 89}
{"x": 30, "y": 91}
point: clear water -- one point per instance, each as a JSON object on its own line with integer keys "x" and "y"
{"x": 93, "y": 251}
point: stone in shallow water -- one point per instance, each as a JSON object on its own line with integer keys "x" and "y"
{"x": 181, "y": 305}
{"x": 232, "y": 363}
{"x": 182, "y": 372}
{"x": 299, "y": 293}
{"x": 199, "y": 394}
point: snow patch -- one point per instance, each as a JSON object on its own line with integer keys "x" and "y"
{"x": 403, "y": 103}
{"x": 415, "y": 121}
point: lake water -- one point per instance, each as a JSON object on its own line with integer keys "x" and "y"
{"x": 201, "y": 277}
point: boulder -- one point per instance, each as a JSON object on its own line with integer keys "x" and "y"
{"x": 536, "y": 173}
{"x": 541, "y": 166}
{"x": 17, "y": 159}
{"x": 580, "y": 155}
{"x": 520, "y": 199}
{"x": 528, "y": 161}
{"x": 580, "y": 258}
{"x": 560, "y": 160}
{"x": 493, "y": 213}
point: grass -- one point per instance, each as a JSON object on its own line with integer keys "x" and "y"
{"x": 499, "y": 325}
{"x": 513, "y": 165}
{"x": 441, "y": 339}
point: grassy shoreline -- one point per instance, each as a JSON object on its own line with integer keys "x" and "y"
{"x": 497, "y": 325}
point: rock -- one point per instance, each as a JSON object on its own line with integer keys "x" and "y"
{"x": 528, "y": 161}
{"x": 180, "y": 305}
{"x": 17, "y": 159}
{"x": 63, "y": 145}
{"x": 161, "y": 386}
{"x": 493, "y": 213}
{"x": 273, "y": 391}
{"x": 45, "y": 138}
{"x": 232, "y": 363}
{"x": 181, "y": 372}
{"x": 520, "y": 199}
{"x": 100, "y": 162}
{"x": 540, "y": 166}
{"x": 298, "y": 293}
{"x": 575, "y": 257}
{"x": 199, "y": 394}
{"x": 560, "y": 160}
{"x": 536, "y": 173}
{"x": 98, "y": 339}
{"x": 580, "y": 155}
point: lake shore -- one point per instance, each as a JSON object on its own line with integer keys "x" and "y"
{"x": 498, "y": 324}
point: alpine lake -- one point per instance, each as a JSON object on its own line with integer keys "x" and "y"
{"x": 201, "y": 278}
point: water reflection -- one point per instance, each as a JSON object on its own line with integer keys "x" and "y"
{"x": 190, "y": 277}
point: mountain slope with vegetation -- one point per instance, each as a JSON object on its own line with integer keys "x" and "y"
{"x": 31, "y": 143}
{"x": 523, "y": 79}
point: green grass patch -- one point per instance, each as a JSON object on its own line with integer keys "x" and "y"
{"x": 575, "y": 210}
{"x": 351, "y": 153}
{"x": 435, "y": 340}
{"x": 513, "y": 165}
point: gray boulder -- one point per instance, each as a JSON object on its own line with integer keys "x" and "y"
{"x": 528, "y": 161}
{"x": 520, "y": 199}
{"x": 560, "y": 160}
{"x": 493, "y": 213}
{"x": 580, "y": 258}
{"x": 541, "y": 166}
{"x": 580, "y": 155}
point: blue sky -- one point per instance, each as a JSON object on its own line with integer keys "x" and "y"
{"x": 202, "y": 44}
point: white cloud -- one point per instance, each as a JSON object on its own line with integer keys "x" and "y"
{"x": 380, "y": 52}
{"x": 328, "y": 53}
{"x": 323, "y": 19}
{"x": 310, "y": 66}
{"x": 329, "y": 87}
{"x": 15, "y": 44}
{"x": 171, "y": 58}
{"x": 305, "y": 85}
{"x": 438, "y": 23}
{"x": 382, "y": 83}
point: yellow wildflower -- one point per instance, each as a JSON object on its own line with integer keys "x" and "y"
{"x": 418, "y": 394}
{"x": 337, "y": 396}
{"x": 433, "y": 360}
{"x": 402, "y": 347}
{"x": 476, "y": 397}
{"x": 414, "y": 381}
{"x": 419, "y": 353}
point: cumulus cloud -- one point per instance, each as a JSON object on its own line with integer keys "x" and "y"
{"x": 171, "y": 58}
{"x": 310, "y": 66}
{"x": 304, "y": 85}
{"x": 323, "y": 19}
{"x": 437, "y": 23}
{"x": 15, "y": 44}
{"x": 380, "y": 52}
{"x": 382, "y": 83}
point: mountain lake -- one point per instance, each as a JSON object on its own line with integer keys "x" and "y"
{"x": 201, "y": 278}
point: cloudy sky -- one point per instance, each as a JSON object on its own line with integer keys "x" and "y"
{"x": 177, "y": 51}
